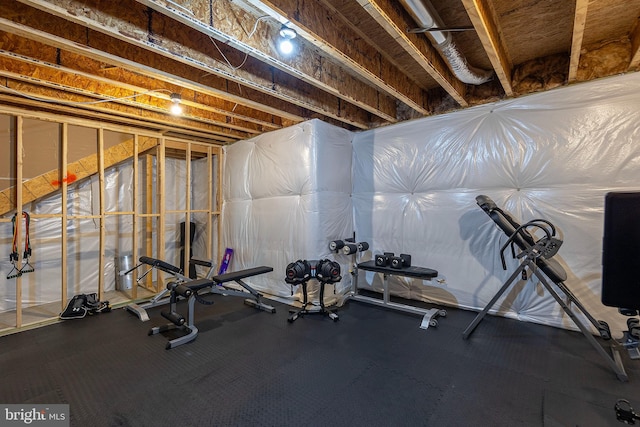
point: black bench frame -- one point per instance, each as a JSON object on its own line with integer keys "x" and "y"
{"x": 214, "y": 285}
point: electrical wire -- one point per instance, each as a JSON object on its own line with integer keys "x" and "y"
{"x": 246, "y": 55}
{"x": 57, "y": 101}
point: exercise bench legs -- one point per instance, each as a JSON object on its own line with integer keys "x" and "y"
{"x": 215, "y": 285}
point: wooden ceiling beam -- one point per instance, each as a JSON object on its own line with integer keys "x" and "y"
{"x": 387, "y": 16}
{"x": 485, "y": 23}
{"x": 579, "y": 23}
{"x": 57, "y": 97}
{"x": 135, "y": 28}
{"x": 86, "y": 87}
{"x": 148, "y": 66}
{"x": 87, "y": 73}
{"x": 634, "y": 64}
{"x": 229, "y": 26}
{"x": 314, "y": 22}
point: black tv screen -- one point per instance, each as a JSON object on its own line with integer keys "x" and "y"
{"x": 621, "y": 250}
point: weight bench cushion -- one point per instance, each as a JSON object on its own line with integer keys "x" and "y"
{"x": 238, "y": 275}
{"x": 160, "y": 265}
{"x": 198, "y": 284}
{"x": 413, "y": 271}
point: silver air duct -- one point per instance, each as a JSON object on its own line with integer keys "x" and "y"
{"x": 426, "y": 17}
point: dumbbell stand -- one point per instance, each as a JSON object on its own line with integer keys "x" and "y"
{"x": 295, "y": 313}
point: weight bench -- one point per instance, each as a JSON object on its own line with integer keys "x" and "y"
{"x": 536, "y": 257}
{"x": 140, "y": 310}
{"x": 214, "y": 285}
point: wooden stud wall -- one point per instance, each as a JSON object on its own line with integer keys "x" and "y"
{"x": 145, "y": 224}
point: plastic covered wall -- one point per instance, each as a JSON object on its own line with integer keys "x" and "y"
{"x": 552, "y": 155}
{"x": 43, "y": 285}
{"x": 287, "y": 194}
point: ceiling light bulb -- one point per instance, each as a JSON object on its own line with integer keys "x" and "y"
{"x": 285, "y": 47}
{"x": 175, "y": 108}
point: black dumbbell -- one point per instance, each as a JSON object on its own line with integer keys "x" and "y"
{"x": 384, "y": 259}
{"x": 402, "y": 261}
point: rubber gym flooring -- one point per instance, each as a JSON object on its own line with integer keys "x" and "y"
{"x": 373, "y": 367}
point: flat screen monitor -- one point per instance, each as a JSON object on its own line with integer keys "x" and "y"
{"x": 621, "y": 250}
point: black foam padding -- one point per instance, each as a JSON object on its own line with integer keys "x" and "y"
{"x": 335, "y": 245}
{"x": 241, "y": 274}
{"x": 175, "y": 318}
{"x": 349, "y": 248}
{"x": 413, "y": 271}
{"x": 183, "y": 291}
{"x": 160, "y": 265}
{"x": 203, "y": 263}
{"x": 198, "y": 284}
{"x": 523, "y": 239}
{"x": 620, "y": 249}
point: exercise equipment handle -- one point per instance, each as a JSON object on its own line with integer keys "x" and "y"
{"x": 160, "y": 265}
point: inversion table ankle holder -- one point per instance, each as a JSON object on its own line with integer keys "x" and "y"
{"x": 536, "y": 257}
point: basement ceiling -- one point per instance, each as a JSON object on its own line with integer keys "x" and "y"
{"x": 359, "y": 64}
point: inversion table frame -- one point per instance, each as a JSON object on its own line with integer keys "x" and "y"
{"x": 216, "y": 286}
{"x": 429, "y": 315}
{"x": 536, "y": 257}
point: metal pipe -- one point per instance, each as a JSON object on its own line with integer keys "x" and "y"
{"x": 426, "y": 17}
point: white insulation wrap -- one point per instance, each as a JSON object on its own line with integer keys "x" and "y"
{"x": 551, "y": 155}
{"x": 287, "y": 194}
{"x": 83, "y": 239}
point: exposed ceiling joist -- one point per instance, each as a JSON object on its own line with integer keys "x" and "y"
{"x": 158, "y": 35}
{"x": 483, "y": 18}
{"x": 386, "y": 14}
{"x": 358, "y": 65}
{"x": 307, "y": 64}
{"x": 579, "y": 23}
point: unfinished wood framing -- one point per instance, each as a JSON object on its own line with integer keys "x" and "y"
{"x": 141, "y": 213}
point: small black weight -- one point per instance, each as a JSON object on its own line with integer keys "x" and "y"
{"x": 402, "y": 261}
{"x": 384, "y": 259}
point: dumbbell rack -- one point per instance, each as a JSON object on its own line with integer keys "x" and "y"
{"x": 429, "y": 316}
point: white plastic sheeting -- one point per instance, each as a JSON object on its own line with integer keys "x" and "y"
{"x": 287, "y": 194}
{"x": 551, "y": 155}
{"x": 83, "y": 244}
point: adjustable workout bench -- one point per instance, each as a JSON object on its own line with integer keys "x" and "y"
{"x": 214, "y": 285}
{"x": 140, "y": 310}
{"x": 536, "y": 255}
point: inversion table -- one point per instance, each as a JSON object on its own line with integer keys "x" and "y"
{"x": 536, "y": 257}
